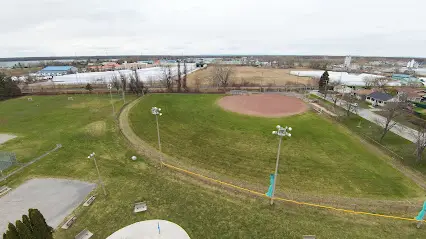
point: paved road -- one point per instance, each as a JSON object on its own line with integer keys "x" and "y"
{"x": 399, "y": 129}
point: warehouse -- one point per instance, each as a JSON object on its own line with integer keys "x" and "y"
{"x": 57, "y": 70}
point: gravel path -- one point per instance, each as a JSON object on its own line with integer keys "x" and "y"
{"x": 6, "y": 137}
{"x": 55, "y": 198}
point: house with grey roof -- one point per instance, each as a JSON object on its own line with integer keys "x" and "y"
{"x": 378, "y": 98}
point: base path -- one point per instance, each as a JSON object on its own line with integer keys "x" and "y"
{"x": 264, "y": 105}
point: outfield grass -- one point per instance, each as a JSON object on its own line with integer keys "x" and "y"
{"x": 320, "y": 158}
{"x": 203, "y": 211}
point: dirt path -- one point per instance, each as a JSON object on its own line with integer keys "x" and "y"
{"x": 364, "y": 204}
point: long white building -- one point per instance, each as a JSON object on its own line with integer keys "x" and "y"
{"x": 343, "y": 77}
{"x": 146, "y": 74}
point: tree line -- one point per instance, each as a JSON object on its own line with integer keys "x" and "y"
{"x": 124, "y": 82}
{"x": 32, "y": 226}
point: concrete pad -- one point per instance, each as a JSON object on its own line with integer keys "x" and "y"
{"x": 85, "y": 234}
{"x": 55, "y": 198}
{"x": 6, "y": 137}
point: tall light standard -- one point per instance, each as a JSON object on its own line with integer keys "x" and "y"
{"x": 110, "y": 95}
{"x": 92, "y": 156}
{"x": 157, "y": 112}
{"x": 281, "y": 132}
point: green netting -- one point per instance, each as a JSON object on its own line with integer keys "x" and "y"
{"x": 7, "y": 160}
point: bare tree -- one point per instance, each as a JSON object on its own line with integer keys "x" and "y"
{"x": 420, "y": 141}
{"x": 197, "y": 84}
{"x": 185, "y": 72}
{"x": 150, "y": 81}
{"x": 135, "y": 84}
{"x": 368, "y": 81}
{"x": 350, "y": 103}
{"x": 391, "y": 111}
{"x": 334, "y": 98}
{"x": 123, "y": 79}
{"x": 167, "y": 77}
{"x": 222, "y": 76}
{"x": 179, "y": 77}
{"x": 376, "y": 82}
{"x": 115, "y": 82}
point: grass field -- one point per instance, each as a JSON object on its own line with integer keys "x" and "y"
{"x": 397, "y": 144}
{"x": 254, "y": 75}
{"x": 320, "y": 158}
{"x": 86, "y": 125}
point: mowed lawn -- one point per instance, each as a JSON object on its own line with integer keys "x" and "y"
{"x": 86, "y": 125}
{"x": 320, "y": 158}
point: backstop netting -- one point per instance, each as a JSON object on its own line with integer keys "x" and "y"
{"x": 7, "y": 160}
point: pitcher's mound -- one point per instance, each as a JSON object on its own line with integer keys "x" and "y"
{"x": 264, "y": 105}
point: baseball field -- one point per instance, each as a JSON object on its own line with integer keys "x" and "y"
{"x": 319, "y": 158}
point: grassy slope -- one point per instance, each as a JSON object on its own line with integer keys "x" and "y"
{"x": 397, "y": 144}
{"x": 205, "y": 212}
{"x": 320, "y": 158}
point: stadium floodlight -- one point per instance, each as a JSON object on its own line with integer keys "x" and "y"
{"x": 92, "y": 156}
{"x": 281, "y": 132}
{"x": 110, "y": 95}
{"x": 157, "y": 112}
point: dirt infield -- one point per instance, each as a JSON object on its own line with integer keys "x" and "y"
{"x": 264, "y": 105}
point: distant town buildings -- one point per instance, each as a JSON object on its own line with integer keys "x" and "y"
{"x": 412, "y": 64}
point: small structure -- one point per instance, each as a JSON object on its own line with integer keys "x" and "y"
{"x": 378, "y": 98}
{"x": 413, "y": 94}
{"x": 70, "y": 98}
{"x": 89, "y": 201}
{"x": 85, "y": 234}
{"x": 309, "y": 237}
{"x": 361, "y": 94}
{"x": 30, "y": 98}
{"x": 69, "y": 222}
{"x": 140, "y": 207}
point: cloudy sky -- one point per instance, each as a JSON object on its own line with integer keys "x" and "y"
{"x": 320, "y": 27}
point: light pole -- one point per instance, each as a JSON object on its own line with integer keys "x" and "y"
{"x": 110, "y": 95}
{"x": 281, "y": 132}
{"x": 157, "y": 112}
{"x": 92, "y": 155}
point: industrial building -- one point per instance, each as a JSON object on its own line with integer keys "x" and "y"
{"x": 57, "y": 70}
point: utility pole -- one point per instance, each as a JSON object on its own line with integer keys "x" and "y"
{"x": 92, "y": 155}
{"x": 112, "y": 104}
{"x": 157, "y": 112}
{"x": 281, "y": 132}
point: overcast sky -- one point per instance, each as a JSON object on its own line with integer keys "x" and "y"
{"x": 175, "y": 27}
